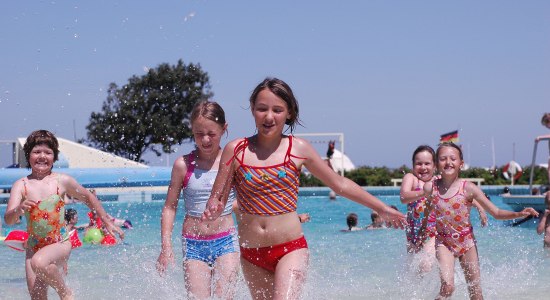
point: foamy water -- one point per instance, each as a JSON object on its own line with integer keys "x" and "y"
{"x": 357, "y": 265}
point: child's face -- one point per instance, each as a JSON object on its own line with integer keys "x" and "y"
{"x": 207, "y": 134}
{"x": 270, "y": 113}
{"x": 448, "y": 161}
{"x": 423, "y": 167}
{"x": 41, "y": 158}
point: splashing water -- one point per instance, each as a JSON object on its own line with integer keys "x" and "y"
{"x": 343, "y": 265}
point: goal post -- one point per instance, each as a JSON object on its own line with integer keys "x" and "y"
{"x": 337, "y": 136}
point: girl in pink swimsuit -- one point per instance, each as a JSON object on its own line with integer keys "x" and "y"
{"x": 40, "y": 197}
{"x": 265, "y": 170}
{"x": 451, "y": 198}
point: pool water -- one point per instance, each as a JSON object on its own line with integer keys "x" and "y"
{"x": 369, "y": 264}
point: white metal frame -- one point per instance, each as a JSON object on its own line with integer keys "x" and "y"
{"x": 333, "y": 134}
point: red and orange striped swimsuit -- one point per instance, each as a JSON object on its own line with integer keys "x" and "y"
{"x": 267, "y": 191}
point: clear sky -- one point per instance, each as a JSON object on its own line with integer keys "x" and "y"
{"x": 390, "y": 75}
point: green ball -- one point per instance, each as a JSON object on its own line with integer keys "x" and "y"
{"x": 93, "y": 236}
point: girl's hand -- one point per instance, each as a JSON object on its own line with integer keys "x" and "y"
{"x": 393, "y": 218}
{"x": 214, "y": 209}
{"x": 26, "y": 205}
{"x": 111, "y": 229}
{"x": 483, "y": 218}
{"x": 166, "y": 257}
{"x": 529, "y": 211}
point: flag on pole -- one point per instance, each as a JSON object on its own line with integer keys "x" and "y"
{"x": 449, "y": 137}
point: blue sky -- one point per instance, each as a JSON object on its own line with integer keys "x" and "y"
{"x": 390, "y": 75}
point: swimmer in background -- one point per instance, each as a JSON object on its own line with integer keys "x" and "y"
{"x": 544, "y": 222}
{"x": 352, "y": 220}
{"x": 377, "y": 222}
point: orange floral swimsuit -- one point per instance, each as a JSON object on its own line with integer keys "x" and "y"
{"x": 453, "y": 226}
{"x": 45, "y": 221}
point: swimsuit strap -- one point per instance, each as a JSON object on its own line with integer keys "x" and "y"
{"x": 239, "y": 148}
{"x": 190, "y": 167}
{"x": 25, "y": 188}
{"x": 58, "y": 177}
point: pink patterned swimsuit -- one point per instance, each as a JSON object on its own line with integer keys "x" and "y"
{"x": 415, "y": 215}
{"x": 453, "y": 226}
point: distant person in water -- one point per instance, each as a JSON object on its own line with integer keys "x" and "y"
{"x": 506, "y": 191}
{"x": 352, "y": 220}
{"x": 377, "y": 222}
{"x": 544, "y": 222}
{"x": 545, "y": 121}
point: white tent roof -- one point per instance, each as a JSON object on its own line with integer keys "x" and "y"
{"x": 75, "y": 155}
{"x": 340, "y": 161}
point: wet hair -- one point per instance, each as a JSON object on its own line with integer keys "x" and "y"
{"x": 209, "y": 110}
{"x": 283, "y": 91}
{"x": 41, "y": 137}
{"x": 422, "y": 148}
{"x": 351, "y": 220}
{"x": 545, "y": 119}
{"x": 449, "y": 144}
{"x": 506, "y": 189}
{"x": 373, "y": 216}
{"x": 69, "y": 214}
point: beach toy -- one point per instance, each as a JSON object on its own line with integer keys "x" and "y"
{"x": 75, "y": 241}
{"x": 93, "y": 236}
{"x": 16, "y": 239}
{"x": 108, "y": 240}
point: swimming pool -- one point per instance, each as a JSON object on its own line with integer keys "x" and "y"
{"x": 353, "y": 265}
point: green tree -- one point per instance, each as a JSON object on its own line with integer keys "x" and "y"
{"x": 149, "y": 112}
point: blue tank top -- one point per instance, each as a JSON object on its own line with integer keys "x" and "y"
{"x": 197, "y": 191}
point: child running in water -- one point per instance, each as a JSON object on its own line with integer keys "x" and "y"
{"x": 451, "y": 198}
{"x": 210, "y": 249}
{"x": 412, "y": 194}
{"x": 265, "y": 170}
{"x": 40, "y": 197}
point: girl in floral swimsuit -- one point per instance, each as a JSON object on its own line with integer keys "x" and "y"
{"x": 265, "y": 170}
{"x": 39, "y": 196}
{"x": 451, "y": 198}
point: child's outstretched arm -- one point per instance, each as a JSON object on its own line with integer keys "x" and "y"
{"x": 474, "y": 192}
{"x": 482, "y": 214}
{"x": 407, "y": 192}
{"x": 222, "y": 185}
{"x": 168, "y": 215}
{"x": 75, "y": 190}
{"x": 342, "y": 185}
{"x": 428, "y": 193}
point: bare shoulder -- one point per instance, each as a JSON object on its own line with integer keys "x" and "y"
{"x": 301, "y": 147}
{"x": 65, "y": 179}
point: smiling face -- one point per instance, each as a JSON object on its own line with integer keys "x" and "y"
{"x": 449, "y": 161}
{"x": 423, "y": 166}
{"x": 207, "y": 135}
{"x": 41, "y": 158}
{"x": 270, "y": 113}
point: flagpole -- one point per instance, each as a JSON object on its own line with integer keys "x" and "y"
{"x": 493, "y": 150}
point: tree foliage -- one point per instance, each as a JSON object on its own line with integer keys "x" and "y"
{"x": 381, "y": 176}
{"x": 149, "y": 112}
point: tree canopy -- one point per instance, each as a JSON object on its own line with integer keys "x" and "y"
{"x": 149, "y": 113}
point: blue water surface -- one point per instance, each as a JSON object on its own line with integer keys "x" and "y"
{"x": 369, "y": 264}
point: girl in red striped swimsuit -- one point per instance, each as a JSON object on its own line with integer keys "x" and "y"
{"x": 265, "y": 170}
